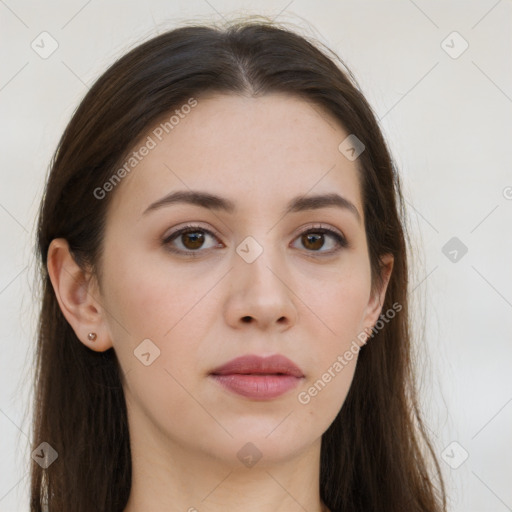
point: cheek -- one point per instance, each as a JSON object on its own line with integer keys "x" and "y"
{"x": 147, "y": 302}
{"x": 337, "y": 302}
{"x": 150, "y": 302}
{"x": 336, "y": 352}
{"x": 337, "y": 308}
{"x": 151, "y": 299}
{"x": 323, "y": 396}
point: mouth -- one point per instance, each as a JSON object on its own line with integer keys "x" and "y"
{"x": 258, "y": 378}
{"x": 258, "y": 386}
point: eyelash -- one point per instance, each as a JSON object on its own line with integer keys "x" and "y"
{"x": 340, "y": 240}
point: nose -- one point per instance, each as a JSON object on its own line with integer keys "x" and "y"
{"x": 260, "y": 294}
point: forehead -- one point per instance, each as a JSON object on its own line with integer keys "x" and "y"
{"x": 256, "y": 151}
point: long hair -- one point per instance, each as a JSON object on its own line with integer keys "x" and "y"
{"x": 376, "y": 455}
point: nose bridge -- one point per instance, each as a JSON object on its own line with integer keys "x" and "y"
{"x": 257, "y": 261}
{"x": 259, "y": 290}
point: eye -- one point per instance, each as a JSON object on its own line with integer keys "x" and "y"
{"x": 191, "y": 238}
{"x": 314, "y": 239}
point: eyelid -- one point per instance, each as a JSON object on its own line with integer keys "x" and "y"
{"x": 319, "y": 225}
{"x": 189, "y": 226}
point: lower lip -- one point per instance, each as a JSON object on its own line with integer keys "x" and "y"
{"x": 260, "y": 387}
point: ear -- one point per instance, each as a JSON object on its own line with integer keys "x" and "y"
{"x": 78, "y": 296}
{"x": 374, "y": 307}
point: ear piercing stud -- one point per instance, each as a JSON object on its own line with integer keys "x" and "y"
{"x": 92, "y": 336}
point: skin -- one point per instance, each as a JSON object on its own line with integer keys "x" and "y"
{"x": 185, "y": 429}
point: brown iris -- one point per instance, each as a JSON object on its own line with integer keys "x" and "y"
{"x": 193, "y": 239}
{"x": 313, "y": 240}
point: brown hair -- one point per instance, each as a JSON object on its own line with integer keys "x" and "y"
{"x": 376, "y": 455}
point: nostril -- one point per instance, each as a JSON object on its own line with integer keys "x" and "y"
{"x": 246, "y": 319}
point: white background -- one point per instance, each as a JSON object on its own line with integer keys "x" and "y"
{"x": 448, "y": 122}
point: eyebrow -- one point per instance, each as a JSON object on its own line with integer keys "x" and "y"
{"x": 214, "y": 202}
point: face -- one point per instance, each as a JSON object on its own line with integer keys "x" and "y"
{"x": 247, "y": 277}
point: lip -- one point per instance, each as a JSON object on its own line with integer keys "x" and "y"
{"x": 260, "y": 378}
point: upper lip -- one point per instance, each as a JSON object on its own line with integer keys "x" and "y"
{"x": 254, "y": 364}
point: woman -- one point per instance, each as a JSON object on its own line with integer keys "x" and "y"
{"x": 225, "y": 318}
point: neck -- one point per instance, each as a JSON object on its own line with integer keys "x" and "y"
{"x": 181, "y": 477}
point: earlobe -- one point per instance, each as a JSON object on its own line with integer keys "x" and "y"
{"x": 76, "y": 296}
